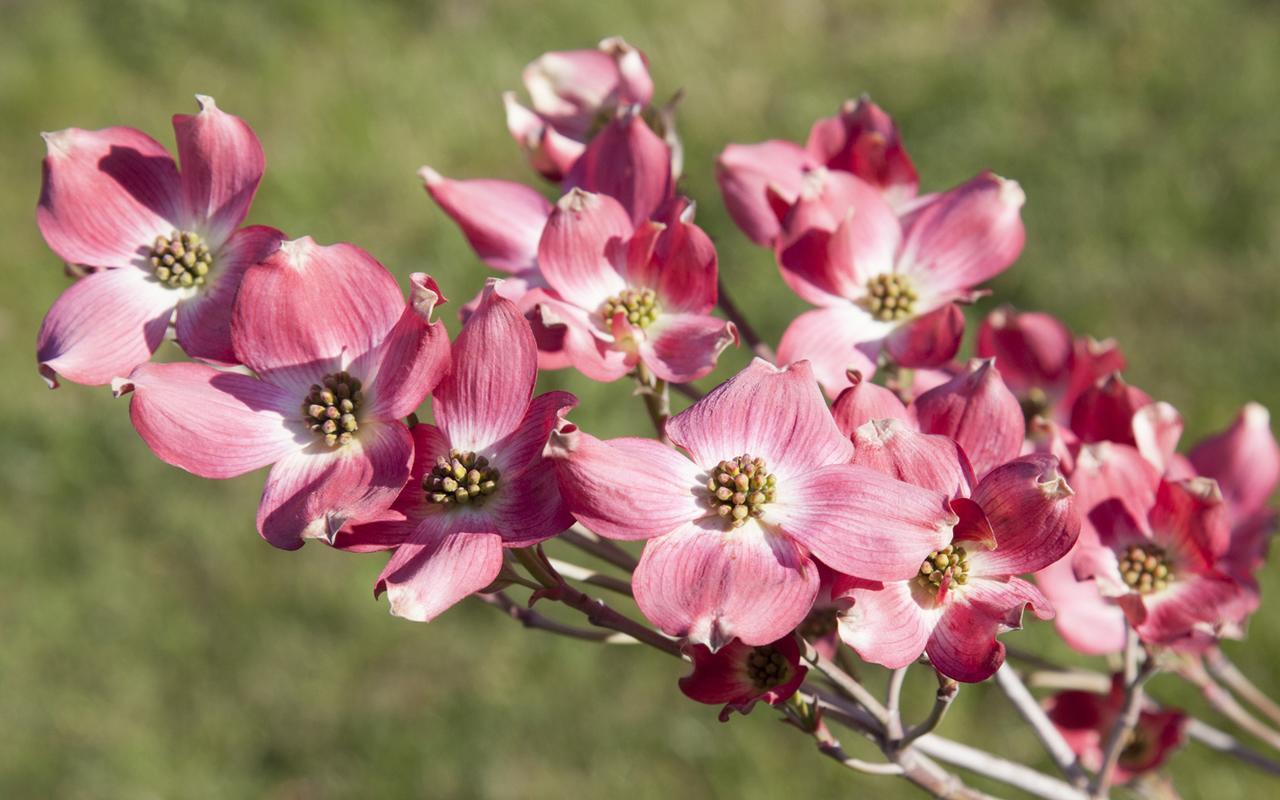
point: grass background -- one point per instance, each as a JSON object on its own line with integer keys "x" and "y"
{"x": 152, "y": 646}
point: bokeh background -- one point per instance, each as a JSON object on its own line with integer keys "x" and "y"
{"x": 152, "y": 646}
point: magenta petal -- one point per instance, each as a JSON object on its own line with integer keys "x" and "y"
{"x": 1034, "y": 350}
{"x": 425, "y": 578}
{"x": 710, "y": 585}
{"x": 834, "y": 341}
{"x": 890, "y": 447}
{"x": 518, "y": 449}
{"x": 572, "y": 251}
{"x": 683, "y": 266}
{"x": 1104, "y": 412}
{"x": 977, "y": 410}
{"x": 1189, "y": 517}
{"x": 204, "y": 320}
{"x": 864, "y": 140}
{"x": 309, "y": 309}
{"x": 724, "y": 676}
{"x": 629, "y": 162}
{"x": 502, "y": 221}
{"x": 1191, "y": 608}
{"x": 964, "y": 646}
{"x": 103, "y": 326}
{"x": 861, "y": 522}
{"x": 766, "y": 412}
{"x": 680, "y": 348}
{"x": 627, "y": 488}
{"x": 584, "y": 345}
{"x": 106, "y": 195}
{"x": 405, "y": 366}
{"x": 745, "y": 171}
{"x": 928, "y": 341}
{"x": 222, "y": 164}
{"x": 863, "y": 402}
{"x": 886, "y": 624}
{"x": 1085, "y": 620}
{"x": 1033, "y": 513}
{"x": 241, "y": 424}
{"x": 530, "y": 508}
{"x": 311, "y": 494}
{"x": 1244, "y": 460}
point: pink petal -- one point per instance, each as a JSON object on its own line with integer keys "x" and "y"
{"x": 626, "y": 488}
{"x": 1033, "y": 513}
{"x": 891, "y": 447}
{"x": 1244, "y": 460}
{"x": 310, "y": 309}
{"x": 585, "y": 345}
{"x": 886, "y": 624}
{"x": 1106, "y": 471}
{"x": 977, "y": 410}
{"x": 834, "y": 340}
{"x": 529, "y": 507}
{"x": 745, "y": 170}
{"x": 634, "y": 84}
{"x": 1034, "y": 350}
{"x": 680, "y": 348}
{"x": 569, "y": 83}
{"x": 683, "y": 265}
{"x": 103, "y": 326}
{"x": 1190, "y": 608}
{"x": 214, "y": 424}
{"x": 1085, "y": 620}
{"x": 861, "y": 522}
{"x": 411, "y": 360}
{"x": 766, "y": 412}
{"x": 572, "y": 251}
{"x": 427, "y": 577}
{"x": 711, "y": 585}
{"x": 964, "y": 645}
{"x": 1190, "y": 518}
{"x": 1156, "y": 431}
{"x": 502, "y": 221}
{"x": 863, "y": 402}
{"x": 629, "y": 162}
{"x": 864, "y": 140}
{"x": 1104, "y": 412}
{"x": 928, "y": 341}
{"x": 204, "y": 319}
{"x": 222, "y": 164}
{"x": 313, "y": 493}
{"x": 723, "y": 676}
{"x": 518, "y": 449}
{"x": 965, "y": 236}
{"x": 1092, "y": 361}
{"x": 106, "y": 195}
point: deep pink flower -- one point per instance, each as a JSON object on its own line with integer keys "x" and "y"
{"x": 881, "y": 282}
{"x": 1104, "y": 411}
{"x": 161, "y": 247}
{"x": 861, "y": 140}
{"x": 339, "y": 358}
{"x": 479, "y": 482}
{"x": 1019, "y": 518}
{"x": 1085, "y": 720}
{"x": 736, "y": 559}
{"x": 1164, "y": 567}
{"x": 630, "y": 295}
{"x": 630, "y": 163}
{"x": 739, "y": 675}
{"x": 571, "y": 92}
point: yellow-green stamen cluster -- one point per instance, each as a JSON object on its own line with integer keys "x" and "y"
{"x": 460, "y": 479}
{"x": 180, "y": 260}
{"x": 639, "y": 306}
{"x": 331, "y": 406}
{"x": 739, "y": 489}
{"x": 767, "y": 668}
{"x": 951, "y": 560}
{"x": 1145, "y": 568}
{"x": 891, "y": 297}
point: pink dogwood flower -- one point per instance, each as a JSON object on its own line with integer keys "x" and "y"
{"x": 160, "y": 246}
{"x": 861, "y": 140}
{"x": 733, "y": 528}
{"x": 881, "y": 282}
{"x": 630, "y": 296}
{"x": 573, "y": 93}
{"x": 479, "y": 481}
{"x": 739, "y": 675}
{"x": 339, "y": 359}
{"x": 1085, "y": 720}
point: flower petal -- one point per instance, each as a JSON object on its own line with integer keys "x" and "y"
{"x": 724, "y": 676}
{"x": 1034, "y": 350}
{"x": 427, "y": 577}
{"x": 1104, "y": 412}
{"x": 711, "y": 585}
{"x": 103, "y": 326}
{"x": 529, "y": 507}
{"x": 572, "y": 251}
{"x": 401, "y": 369}
{"x": 928, "y": 341}
{"x": 502, "y": 221}
{"x": 891, "y": 447}
{"x": 584, "y": 345}
{"x": 977, "y": 410}
{"x": 834, "y": 340}
{"x": 680, "y": 348}
{"x": 744, "y": 171}
{"x": 683, "y": 265}
{"x": 1086, "y": 621}
{"x": 1189, "y": 609}
{"x": 1033, "y": 513}
{"x": 523, "y": 446}
{"x": 222, "y": 165}
{"x": 629, "y": 162}
{"x": 106, "y": 195}
{"x": 1244, "y": 460}
{"x": 863, "y": 402}
{"x": 863, "y": 139}
{"x": 964, "y": 646}
{"x": 886, "y": 624}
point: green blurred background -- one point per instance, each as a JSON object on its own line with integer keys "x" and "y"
{"x": 152, "y": 646}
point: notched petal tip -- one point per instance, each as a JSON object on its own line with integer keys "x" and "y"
{"x": 206, "y": 103}
{"x": 49, "y": 375}
{"x": 1204, "y": 489}
{"x": 296, "y": 250}
{"x": 1256, "y": 416}
{"x": 58, "y": 142}
{"x": 577, "y": 200}
{"x": 425, "y": 295}
{"x": 429, "y": 176}
{"x": 119, "y": 386}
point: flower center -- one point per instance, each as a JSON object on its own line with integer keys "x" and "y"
{"x": 740, "y": 488}
{"x": 1146, "y": 568}
{"x": 891, "y": 297}
{"x": 767, "y": 668}
{"x": 460, "y": 479}
{"x": 639, "y": 306}
{"x": 331, "y": 406}
{"x": 951, "y": 560}
{"x": 180, "y": 260}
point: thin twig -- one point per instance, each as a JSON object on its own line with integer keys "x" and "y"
{"x": 1007, "y": 772}
{"x": 894, "y": 706}
{"x": 1225, "y": 743}
{"x": 603, "y": 549}
{"x": 1224, "y": 703}
{"x": 688, "y": 390}
{"x": 947, "y": 692}
{"x": 1049, "y": 736}
{"x": 1135, "y": 676}
{"x": 657, "y": 400}
{"x": 1222, "y": 669}
{"x": 583, "y": 575}
{"x": 745, "y": 330}
{"x": 532, "y": 619}
{"x": 845, "y": 684}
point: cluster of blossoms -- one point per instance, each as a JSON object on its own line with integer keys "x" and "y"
{"x": 914, "y": 519}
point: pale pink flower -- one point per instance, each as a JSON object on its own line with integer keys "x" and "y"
{"x": 734, "y": 528}
{"x": 339, "y": 359}
{"x": 160, "y": 247}
{"x": 739, "y": 675}
{"x": 479, "y": 482}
